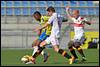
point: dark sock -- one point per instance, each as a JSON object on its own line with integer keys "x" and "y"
{"x": 64, "y": 53}
{"x": 73, "y": 52}
{"x": 38, "y": 52}
{"x": 79, "y": 49}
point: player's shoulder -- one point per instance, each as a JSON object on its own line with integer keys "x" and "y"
{"x": 45, "y": 17}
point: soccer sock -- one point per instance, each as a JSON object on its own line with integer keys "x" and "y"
{"x": 38, "y": 51}
{"x": 35, "y": 50}
{"x": 79, "y": 49}
{"x": 73, "y": 52}
{"x": 64, "y": 53}
{"x": 42, "y": 53}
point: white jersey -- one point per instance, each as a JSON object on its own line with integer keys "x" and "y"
{"x": 55, "y": 21}
{"x": 78, "y": 27}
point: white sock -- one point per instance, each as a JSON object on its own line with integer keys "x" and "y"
{"x": 35, "y": 50}
{"x": 42, "y": 53}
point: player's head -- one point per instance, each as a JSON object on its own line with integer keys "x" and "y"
{"x": 37, "y": 15}
{"x": 75, "y": 13}
{"x": 50, "y": 10}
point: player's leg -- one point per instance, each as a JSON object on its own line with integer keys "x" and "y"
{"x": 61, "y": 51}
{"x": 77, "y": 43}
{"x": 44, "y": 53}
{"x": 34, "y": 42}
{"x": 42, "y": 37}
{"x": 71, "y": 49}
{"x": 40, "y": 49}
{"x": 79, "y": 49}
{"x": 55, "y": 43}
{"x": 34, "y": 45}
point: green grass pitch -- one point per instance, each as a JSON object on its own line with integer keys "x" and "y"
{"x": 11, "y": 57}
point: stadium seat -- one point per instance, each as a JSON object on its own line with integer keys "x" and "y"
{"x": 9, "y": 11}
{"x": 11, "y": 19}
{"x": 90, "y": 11}
{"x": 42, "y": 10}
{"x": 25, "y": 11}
{"x": 65, "y": 3}
{"x": 9, "y": 3}
{"x": 73, "y": 3}
{"x": 32, "y": 10}
{"x": 24, "y": 20}
{"x": 97, "y": 11}
{"x": 50, "y": 3}
{"x": 3, "y": 19}
{"x": 57, "y": 3}
{"x": 83, "y": 11}
{"x": 73, "y": 8}
{"x": 58, "y": 9}
{"x": 41, "y": 3}
{"x": 2, "y": 11}
{"x": 63, "y": 10}
{"x": 25, "y": 3}
{"x": 94, "y": 13}
{"x": 89, "y": 3}
{"x": 17, "y": 11}
{"x": 2, "y": 3}
{"x": 33, "y": 3}
{"x": 82, "y": 3}
{"x": 17, "y": 3}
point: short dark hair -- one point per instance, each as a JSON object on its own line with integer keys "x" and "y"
{"x": 51, "y": 9}
{"x": 37, "y": 12}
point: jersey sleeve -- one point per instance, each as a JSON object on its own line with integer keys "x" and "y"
{"x": 85, "y": 19}
{"x": 51, "y": 19}
{"x": 77, "y": 21}
{"x": 73, "y": 19}
{"x": 46, "y": 18}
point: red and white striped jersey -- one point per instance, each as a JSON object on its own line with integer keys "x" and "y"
{"x": 78, "y": 26}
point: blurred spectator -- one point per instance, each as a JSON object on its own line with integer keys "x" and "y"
{"x": 93, "y": 43}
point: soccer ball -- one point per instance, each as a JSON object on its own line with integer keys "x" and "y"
{"x": 25, "y": 58}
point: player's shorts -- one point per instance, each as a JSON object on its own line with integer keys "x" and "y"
{"x": 53, "y": 40}
{"x": 43, "y": 36}
{"x": 81, "y": 41}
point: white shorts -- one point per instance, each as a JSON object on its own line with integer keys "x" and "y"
{"x": 53, "y": 40}
{"x": 80, "y": 39}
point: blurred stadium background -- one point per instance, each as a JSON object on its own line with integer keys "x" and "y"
{"x": 17, "y": 22}
{"x": 17, "y": 25}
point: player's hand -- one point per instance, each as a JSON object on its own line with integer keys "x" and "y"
{"x": 67, "y": 8}
{"x": 36, "y": 29}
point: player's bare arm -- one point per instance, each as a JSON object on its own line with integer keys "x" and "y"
{"x": 87, "y": 22}
{"x": 45, "y": 25}
{"x": 68, "y": 12}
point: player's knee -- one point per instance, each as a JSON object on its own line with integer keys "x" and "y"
{"x": 70, "y": 44}
{"x": 38, "y": 42}
{"x": 42, "y": 44}
{"x": 77, "y": 44}
{"x": 35, "y": 47}
{"x": 56, "y": 49}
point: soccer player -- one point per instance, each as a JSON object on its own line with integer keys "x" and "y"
{"x": 42, "y": 34}
{"x": 54, "y": 36}
{"x": 79, "y": 38}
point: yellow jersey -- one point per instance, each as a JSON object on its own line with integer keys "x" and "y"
{"x": 43, "y": 20}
